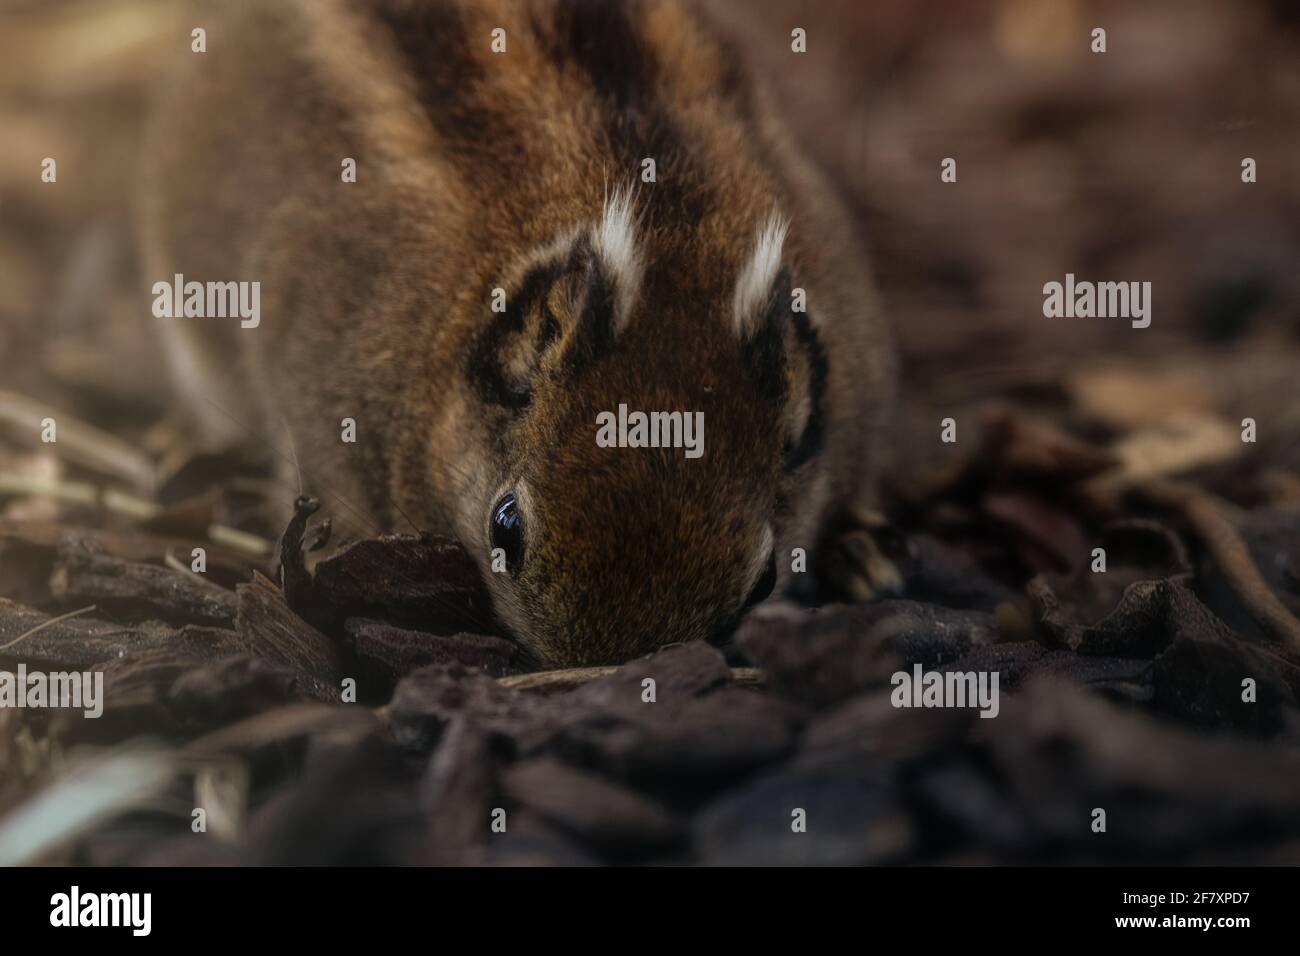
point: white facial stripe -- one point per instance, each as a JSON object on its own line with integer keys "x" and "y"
{"x": 759, "y": 562}
{"x": 614, "y": 239}
{"x": 756, "y": 278}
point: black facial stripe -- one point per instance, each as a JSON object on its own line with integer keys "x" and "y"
{"x": 765, "y": 350}
{"x": 595, "y": 331}
{"x": 435, "y": 43}
{"x": 484, "y": 368}
{"x": 767, "y": 359}
{"x": 813, "y": 438}
{"x": 764, "y": 585}
{"x": 599, "y": 38}
{"x": 592, "y": 336}
{"x": 550, "y": 331}
{"x": 438, "y": 51}
{"x": 602, "y": 39}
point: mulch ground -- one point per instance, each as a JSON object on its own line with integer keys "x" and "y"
{"x": 328, "y": 696}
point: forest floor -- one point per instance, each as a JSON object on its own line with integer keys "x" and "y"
{"x": 1114, "y": 531}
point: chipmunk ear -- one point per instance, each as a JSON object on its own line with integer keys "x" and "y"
{"x": 780, "y": 343}
{"x": 573, "y": 298}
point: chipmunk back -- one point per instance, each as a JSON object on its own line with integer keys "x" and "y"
{"x": 564, "y": 213}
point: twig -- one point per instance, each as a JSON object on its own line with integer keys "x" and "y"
{"x": 45, "y": 624}
{"x": 1207, "y": 519}
{"x": 176, "y": 564}
{"x": 79, "y": 493}
{"x": 78, "y": 441}
{"x": 554, "y": 680}
{"x": 577, "y": 676}
{"x": 74, "y": 804}
{"x": 139, "y": 509}
{"x": 239, "y": 540}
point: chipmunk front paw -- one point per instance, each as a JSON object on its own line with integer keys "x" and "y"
{"x": 857, "y": 561}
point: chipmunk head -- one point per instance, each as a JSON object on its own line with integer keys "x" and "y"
{"x": 652, "y": 400}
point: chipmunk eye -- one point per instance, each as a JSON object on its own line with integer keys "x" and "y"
{"x": 508, "y": 531}
{"x": 766, "y": 582}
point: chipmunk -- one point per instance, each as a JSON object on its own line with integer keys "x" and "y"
{"x": 502, "y": 145}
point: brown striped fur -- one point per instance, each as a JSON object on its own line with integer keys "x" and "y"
{"x": 478, "y": 170}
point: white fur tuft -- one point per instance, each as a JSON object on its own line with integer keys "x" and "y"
{"x": 756, "y": 278}
{"x": 615, "y": 241}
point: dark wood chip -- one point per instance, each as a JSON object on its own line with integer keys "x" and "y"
{"x": 173, "y": 694}
{"x": 1200, "y": 677}
{"x": 1123, "y": 610}
{"x": 679, "y": 672}
{"x": 682, "y": 750}
{"x": 611, "y": 818}
{"x": 423, "y": 582}
{"x": 386, "y": 652}
{"x": 530, "y": 840}
{"x": 853, "y": 814}
{"x": 426, "y": 701}
{"x": 84, "y": 574}
{"x": 1060, "y": 752}
{"x": 459, "y": 791}
{"x": 352, "y": 805}
{"x": 79, "y": 643}
{"x": 824, "y": 656}
{"x": 270, "y": 630}
{"x": 1126, "y": 678}
{"x": 936, "y": 573}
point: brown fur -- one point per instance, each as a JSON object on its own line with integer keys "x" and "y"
{"x": 375, "y": 295}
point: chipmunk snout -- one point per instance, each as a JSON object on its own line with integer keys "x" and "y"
{"x": 619, "y": 607}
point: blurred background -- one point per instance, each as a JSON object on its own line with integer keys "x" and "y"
{"x": 1117, "y": 166}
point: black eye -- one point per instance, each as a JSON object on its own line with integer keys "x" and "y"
{"x": 508, "y": 531}
{"x": 766, "y": 582}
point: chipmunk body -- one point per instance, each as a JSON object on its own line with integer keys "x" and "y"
{"x": 522, "y": 171}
